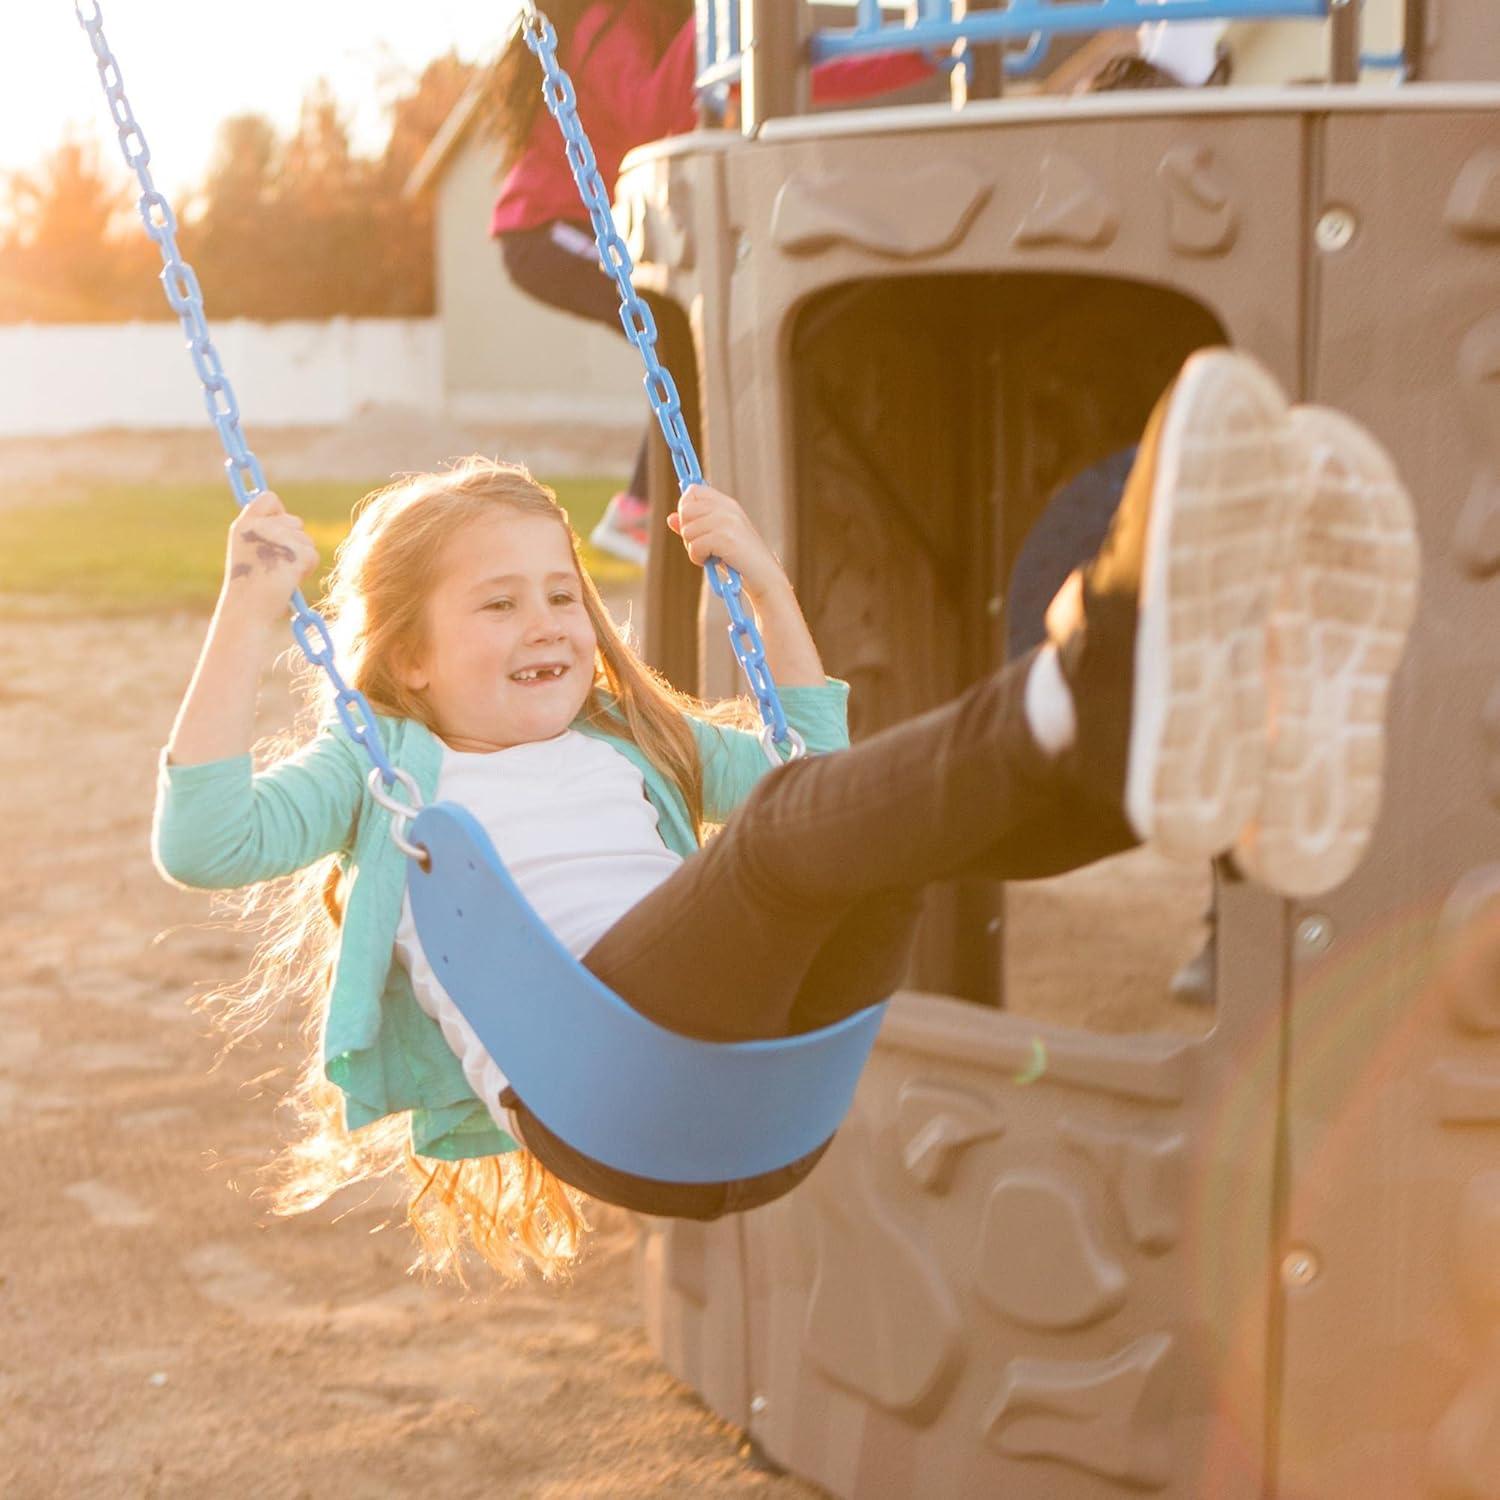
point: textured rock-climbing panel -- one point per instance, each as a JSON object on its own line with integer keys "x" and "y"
{"x": 1070, "y": 208}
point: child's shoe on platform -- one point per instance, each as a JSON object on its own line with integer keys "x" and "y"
{"x": 622, "y": 530}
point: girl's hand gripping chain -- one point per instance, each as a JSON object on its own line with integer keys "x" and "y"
{"x": 712, "y": 524}
{"x": 270, "y": 554}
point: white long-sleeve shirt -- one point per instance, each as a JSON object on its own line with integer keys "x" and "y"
{"x": 570, "y": 819}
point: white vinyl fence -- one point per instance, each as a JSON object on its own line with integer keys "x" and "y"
{"x": 62, "y": 378}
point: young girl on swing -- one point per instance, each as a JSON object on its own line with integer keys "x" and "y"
{"x": 1183, "y": 696}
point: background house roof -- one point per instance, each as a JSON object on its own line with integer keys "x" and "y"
{"x": 450, "y": 136}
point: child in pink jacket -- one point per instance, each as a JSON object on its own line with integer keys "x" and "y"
{"x": 633, "y": 64}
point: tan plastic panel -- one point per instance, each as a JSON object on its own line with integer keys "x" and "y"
{"x": 1039, "y": 1262}
{"x": 996, "y": 1281}
{"x": 1391, "y": 1380}
{"x": 1032, "y": 1265}
{"x": 692, "y": 1285}
{"x": 1462, "y": 41}
{"x": 1181, "y": 203}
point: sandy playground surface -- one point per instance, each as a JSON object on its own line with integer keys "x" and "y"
{"x": 163, "y": 1334}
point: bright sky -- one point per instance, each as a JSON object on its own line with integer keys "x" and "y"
{"x": 187, "y": 64}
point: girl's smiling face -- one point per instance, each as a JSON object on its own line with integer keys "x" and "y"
{"x": 508, "y": 654}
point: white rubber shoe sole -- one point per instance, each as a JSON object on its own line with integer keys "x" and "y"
{"x": 1222, "y": 486}
{"x": 1338, "y": 627}
{"x": 616, "y": 540}
{"x": 611, "y": 540}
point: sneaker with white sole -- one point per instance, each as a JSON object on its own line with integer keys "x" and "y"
{"x": 1162, "y": 636}
{"x": 1338, "y": 628}
{"x": 623, "y": 529}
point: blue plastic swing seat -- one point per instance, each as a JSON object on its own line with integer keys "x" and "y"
{"x": 606, "y": 1079}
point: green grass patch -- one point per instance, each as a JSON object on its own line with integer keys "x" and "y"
{"x": 135, "y": 548}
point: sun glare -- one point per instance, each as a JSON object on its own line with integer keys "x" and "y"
{"x": 187, "y": 66}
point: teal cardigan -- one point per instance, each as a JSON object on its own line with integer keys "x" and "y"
{"x": 219, "y": 825}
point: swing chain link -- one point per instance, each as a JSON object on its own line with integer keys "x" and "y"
{"x": 241, "y": 466}
{"x": 401, "y": 813}
{"x": 661, "y": 390}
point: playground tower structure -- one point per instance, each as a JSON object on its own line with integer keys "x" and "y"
{"x": 1041, "y": 1260}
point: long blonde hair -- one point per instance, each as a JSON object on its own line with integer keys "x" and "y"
{"x": 509, "y": 1208}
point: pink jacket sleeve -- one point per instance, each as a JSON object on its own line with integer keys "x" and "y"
{"x": 649, "y": 100}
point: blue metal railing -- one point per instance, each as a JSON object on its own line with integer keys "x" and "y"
{"x": 719, "y": 54}
{"x": 1037, "y": 21}
{"x": 1032, "y": 22}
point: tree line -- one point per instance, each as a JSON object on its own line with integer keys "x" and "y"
{"x": 293, "y": 227}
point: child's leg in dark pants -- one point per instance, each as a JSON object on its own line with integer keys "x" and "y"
{"x": 802, "y": 909}
{"x": 558, "y": 265}
{"x": 1153, "y": 700}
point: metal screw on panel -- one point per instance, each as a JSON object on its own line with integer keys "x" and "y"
{"x": 1314, "y": 934}
{"x": 757, "y": 1405}
{"x": 1299, "y": 1268}
{"x": 995, "y": 604}
{"x": 1335, "y": 229}
{"x": 741, "y": 249}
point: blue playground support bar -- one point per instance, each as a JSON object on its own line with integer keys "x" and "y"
{"x": 707, "y": 37}
{"x": 1022, "y": 21}
{"x": 720, "y": 59}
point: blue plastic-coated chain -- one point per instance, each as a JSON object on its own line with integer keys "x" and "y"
{"x": 661, "y": 390}
{"x": 186, "y": 300}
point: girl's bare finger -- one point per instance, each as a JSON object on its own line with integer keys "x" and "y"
{"x": 697, "y": 526}
{"x": 703, "y": 546}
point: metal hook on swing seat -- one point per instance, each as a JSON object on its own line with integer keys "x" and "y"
{"x": 401, "y": 812}
{"x": 768, "y": 743}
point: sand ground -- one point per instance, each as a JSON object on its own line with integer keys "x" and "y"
{"x": 163, "y": 1334}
